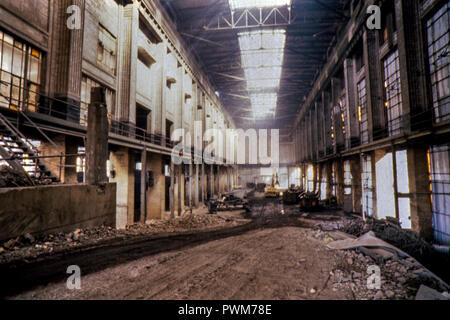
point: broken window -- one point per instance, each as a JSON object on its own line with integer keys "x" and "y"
{"x": 440, "y": 185}
{"x": 148, "y": 31}
{"x": 20, "y": 74}
{"x": 388, "y": 22}
{"x": 106, "y": 50}
{"x": 143, "y": 121}
{"x": 363, "y": 117}
{"x": 87, "y": 84}
{"x": 393, "y": 102}
{"x": 439, "y": 59}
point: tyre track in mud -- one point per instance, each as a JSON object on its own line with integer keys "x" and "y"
{"x": 18, "y": 276}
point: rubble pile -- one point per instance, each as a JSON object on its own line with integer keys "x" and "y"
{"x": 185, "y": 223}
{"x": 11, "y": 178}
{"x": 400, "y": 280}
{"x": 391, "y": 232}
{"x": 33, "y": 246}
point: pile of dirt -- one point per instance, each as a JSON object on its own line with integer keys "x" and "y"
{"x": 32, "y": 246}
{"x": 185, "y": 223}
{"x": 10, "y": 178}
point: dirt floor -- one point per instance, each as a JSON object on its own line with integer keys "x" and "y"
{"x": 274, "y": 252}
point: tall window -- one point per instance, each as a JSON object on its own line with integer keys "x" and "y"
{"x": 367, "y": 186}
{"x": 347, "y": 178}
{"x": 344, "y": 119}
{"x": 86, "y": 86}
{"x": 20, "y": 68}
{"x": 333, "y": 179}
{"x": 439, "y": 57}
{"x": 439, "y": 161}
{"x": 393, "y": 102}
{"x": 362, "y": 112}
{"x": 106, "y": 52}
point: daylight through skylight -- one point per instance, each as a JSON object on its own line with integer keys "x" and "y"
{"x": 245, "y": 4}
{"x": 262, "y": 53}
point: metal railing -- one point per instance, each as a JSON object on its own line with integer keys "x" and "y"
{"x": 60, "y": 166}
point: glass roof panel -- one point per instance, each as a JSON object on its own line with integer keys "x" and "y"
{"x": 262, "y": 53}
{"x": 244, "y": 4}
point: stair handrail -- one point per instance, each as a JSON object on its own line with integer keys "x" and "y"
{"x": 15, "y": 131}
{"x": 39, "y": 129}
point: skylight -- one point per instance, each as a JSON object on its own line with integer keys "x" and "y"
{"x": 246, "y": 4}
{"x": 262, "y": 53}
{"x": 263, "y": 104}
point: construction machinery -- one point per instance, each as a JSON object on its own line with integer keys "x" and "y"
{"x": 273, "y": 190}
{"x": 228, "y": 202}
{"x": 309, "y": 201}
{"x": 291, "y": 196}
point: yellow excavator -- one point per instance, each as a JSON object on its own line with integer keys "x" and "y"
{"x": 272, "y": 191}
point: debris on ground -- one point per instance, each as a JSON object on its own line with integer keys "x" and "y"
{"x": 11, "y": 178}
{"x": 380, "y": 252}
{"x": 336, "y": 274}
{"x": 391, "y": 232}
{"x": 29, "y": 246}
{"x": 428, "y": 294}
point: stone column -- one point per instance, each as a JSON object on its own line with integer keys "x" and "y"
{"x": 180, "y": 181}
{"x": 419, "y": 188}
{"x": 203, "y": 182}
{"x": 212, "y": 181}
{"x": 144, "y": 186}
{"x": 190, "y": 185}
{"x": 352, "y": 125}
{"x": 65, "y": 66}
{"x": 97, "y": 139}
{"x": 375, "y": 95}
{"x": 127, "y": 61}
{"x": 122, "y": 165}
{"x": 355, "y": 167}
{"x": 196, "y": 185}
{"x": 412, "y": 65}
{"x": 172, "y": 190}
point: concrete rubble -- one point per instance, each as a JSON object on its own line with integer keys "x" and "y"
{"x": 29, "y": 246}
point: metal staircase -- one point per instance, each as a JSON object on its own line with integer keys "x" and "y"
{"x": 21, "y": 155}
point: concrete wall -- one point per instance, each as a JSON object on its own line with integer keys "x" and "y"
{"x": 53, "y": 209}
{"x": 156, "y": 193}
{"x": 122, "y": 163}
